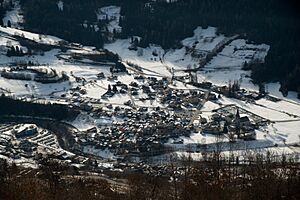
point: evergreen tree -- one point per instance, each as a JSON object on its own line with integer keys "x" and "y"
{"x": 115, "y": 90}
{"x": 262, "y": 89}
{"x": 8, "y": 23}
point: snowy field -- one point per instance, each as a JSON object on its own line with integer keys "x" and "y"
{"x": 43, "y": 39}
{"x": 227, "y": 65}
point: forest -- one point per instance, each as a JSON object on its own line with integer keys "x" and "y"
{"x": 274, "y": 22}
{"x": 212, "y": 179}
{"x": 10, "y": 106}
{"x": 2, "y": 11}
{"x": 43, "y": 16}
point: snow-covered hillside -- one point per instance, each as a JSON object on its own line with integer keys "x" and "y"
{"x": 14, "y": 16}
{"x": 112, "y": 15}
{"x": 226, "y": 66}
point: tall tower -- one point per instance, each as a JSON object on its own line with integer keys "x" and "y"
{"x": 193, "y": 77}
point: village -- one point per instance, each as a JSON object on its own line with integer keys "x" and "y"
{"x": 139, "y": 107}
{"x": 152, "y": 119}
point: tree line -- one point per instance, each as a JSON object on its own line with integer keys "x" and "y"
{"x": 76, "y": 22}
{"x": 2, "y": 11}
{"x": 260, "y": 178}
{"x": 10, "y": 106}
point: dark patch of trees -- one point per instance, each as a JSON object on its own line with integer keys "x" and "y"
{"x": 43, "y": 16}
{"x": 14, "y": 51}
{"x": 10, "y": 106}
{"x": 105, "y": 56}
{"x": 50, "y": 183}
{"x": 2, "y": 12}
{"x": 34, "y": 46}
{"x": 260, "y": 178}
{"x": 120, "y": 67}
{"x": 8, "y": 23}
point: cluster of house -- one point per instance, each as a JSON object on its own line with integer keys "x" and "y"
{"x": 144, "y": 131}
{"x": 234, "y": 91}
{"x": 12, "y": 144}
{"x": 41, "y": 75}
{"x": 22, "y": 140}
{"x": 233, "y": 125}
{"x": 139, "y": 131}
{"x": 152, "y": 87}
{"x": 180, "y": 99}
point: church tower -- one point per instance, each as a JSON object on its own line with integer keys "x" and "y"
{"x": 237, "y": 123}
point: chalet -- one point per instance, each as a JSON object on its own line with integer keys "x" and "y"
{"x": 92, "y": 130}
{"x": 212, "y": 129}
{"x": 243, "y": 121}
{"x": 27, "y": 132}
{"x": 86, "y": 106}
{"x": 27, "y": 146}
{"x": 138, "y": 77}
{"x": 101, "y": 75}
{"x": 134, "y": 84}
